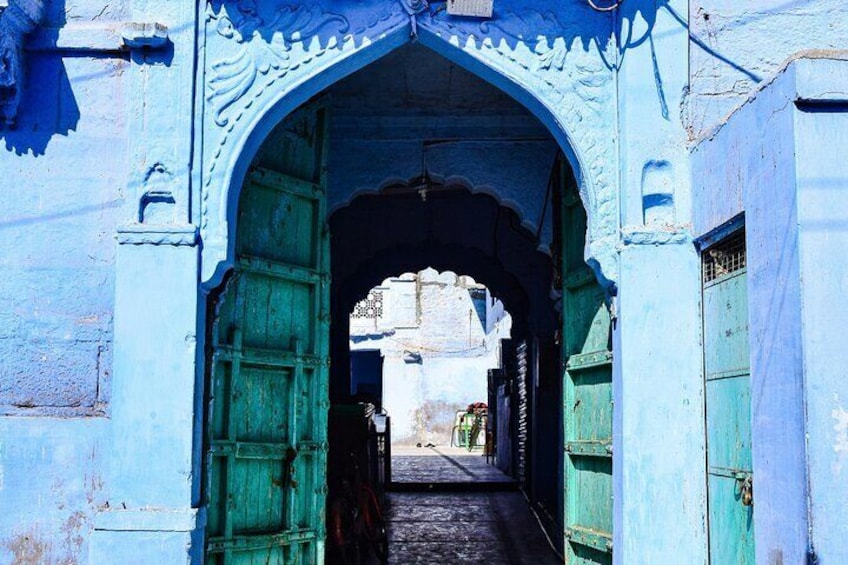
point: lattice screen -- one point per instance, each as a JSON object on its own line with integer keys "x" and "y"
{"x": 371, "y": 308}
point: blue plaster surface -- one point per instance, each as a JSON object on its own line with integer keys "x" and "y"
{"x": 69, "y": 179}
{"x": 153, "y": 392}
{"x": 141, "y": 548}
{"x": 752, "y": 151}
{"x": 736, "y": 45}
{"x": 540, "y": 69}
{"x": 652, "y": 81}
{"x": 415, "y": 109}
{"x": 777, "y": 410}
{"x": 659, "y": 487}
{"x": 57, "y": 246}
{"x": 51, "y": 483}
{"x": 822, "y": 213}
{"x": 776, "y": 159}
{"x": 96, "y": 130}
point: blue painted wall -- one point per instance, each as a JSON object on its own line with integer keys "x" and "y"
{"x": 775, "y": 160}
{"x": 101, "y": 125}
{"x": 735, "y": 46}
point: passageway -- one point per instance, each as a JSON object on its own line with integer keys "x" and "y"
{"x": 446, "y": 468}
{"x": 431, "y": 167}
{"x": 396, "y": 173}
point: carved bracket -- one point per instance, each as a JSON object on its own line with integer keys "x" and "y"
{"x": 20, "y": 18}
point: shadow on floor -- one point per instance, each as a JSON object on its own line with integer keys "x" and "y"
{"x": 495, "y": 528}
{"x": 449, "y": 506}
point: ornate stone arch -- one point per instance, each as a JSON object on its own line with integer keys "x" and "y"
{"x": 261, "y": 59}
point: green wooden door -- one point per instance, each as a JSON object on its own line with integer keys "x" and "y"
{"x": 268, "y": 373}
{"x": 728, "y": 403}
{"x": 587, "y": 395}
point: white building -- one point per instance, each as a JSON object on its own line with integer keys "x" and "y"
{"x": 438, "y": 334}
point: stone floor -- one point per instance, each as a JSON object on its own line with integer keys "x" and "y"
{"x": 464, "y": 528}
{"x": 471, "y": 513}
{"x": 439, "y": 465}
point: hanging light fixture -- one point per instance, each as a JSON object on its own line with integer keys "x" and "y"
{"x": 422, "y": 183}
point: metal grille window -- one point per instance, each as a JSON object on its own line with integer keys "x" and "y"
{"x": 371, "y": 308}
{"x": 725, "y": 257}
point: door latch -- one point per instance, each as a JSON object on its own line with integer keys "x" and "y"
{"x": 291, "y": 455}
{"x": 746, "y": 489}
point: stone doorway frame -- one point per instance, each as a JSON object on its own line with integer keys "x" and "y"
{"x": 258, "y": 60}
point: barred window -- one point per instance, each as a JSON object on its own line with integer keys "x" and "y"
{"x": 371, "y": 307}
{"x": 725, "y": 257}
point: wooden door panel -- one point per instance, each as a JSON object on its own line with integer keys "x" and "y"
{"x": 729, "y": 429}
{"x": 726, "y": 326}
{"x": 282, "y": 310}
{"x": 592, "y": 406}
{"x": 268, "y": 381}
{"x": 587, "y": 395}
{"x": 728, "y": 401}
{"x": 289, "y": 209}
{"x": 593, "y": 483}
{"x": 731, "y": 523}
{"x": 261, "y": 404}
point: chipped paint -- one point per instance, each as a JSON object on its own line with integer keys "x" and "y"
{"x": 28, "y": 549}
{"x": 840, "y": 444}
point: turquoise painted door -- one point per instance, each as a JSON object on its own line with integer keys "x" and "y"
{"x": 728, "y": 403}
{"x": 587, "y": 395}
{"x": 268, "y": 372}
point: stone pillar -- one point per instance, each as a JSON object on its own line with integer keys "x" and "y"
{"x": 658, "y": 419}
{"x": 659, "y": 478}
{"x": 150, "y": 470}
{"x": 153, "y": 468}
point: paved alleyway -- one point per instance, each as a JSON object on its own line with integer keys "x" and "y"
{"x": 415, "y": 466}
{"x": 486, "y": 520}
{"x": 464, "y": 528}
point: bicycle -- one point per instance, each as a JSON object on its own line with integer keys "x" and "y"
{"x": 355, "y": 522}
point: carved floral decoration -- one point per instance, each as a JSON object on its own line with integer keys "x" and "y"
{"x": 266, "y": 40}
{"x": 233, "y": 76}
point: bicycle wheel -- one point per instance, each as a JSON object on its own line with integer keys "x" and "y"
{"x": 373, "y": 524}
{"x": 342, "y": 546}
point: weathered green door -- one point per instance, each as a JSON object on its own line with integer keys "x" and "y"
{"x": 728, "y": 403}
{"x": 268, "y": 379}
{"x": 587, "y": 394}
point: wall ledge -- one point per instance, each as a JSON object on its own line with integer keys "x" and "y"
{"x": 666, "y": 235}
{"x": 151, "y": 520}
{"x": 147, "y": 234}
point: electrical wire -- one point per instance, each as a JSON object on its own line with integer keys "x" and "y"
{"x": 604, "y": 9}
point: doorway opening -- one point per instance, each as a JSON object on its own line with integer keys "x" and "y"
{"x": 422, "y": 348}
{"x": 409, "y": 163}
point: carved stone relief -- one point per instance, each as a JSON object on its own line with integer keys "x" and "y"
{"x": 16, "y": 21}
{"x": 257, "y": 51}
